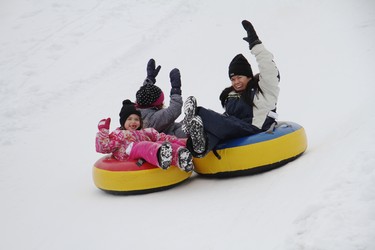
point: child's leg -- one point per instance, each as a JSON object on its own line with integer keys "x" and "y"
{"x": 155, "y": 153}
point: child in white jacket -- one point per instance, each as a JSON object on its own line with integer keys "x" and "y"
{"x": 249, "y": 102}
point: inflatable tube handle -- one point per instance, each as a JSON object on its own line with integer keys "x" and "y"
{"x": 271, "y": 129}
{"x": 140, "y": 162}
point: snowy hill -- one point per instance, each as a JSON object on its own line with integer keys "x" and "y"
{"x": 64, "y": 65}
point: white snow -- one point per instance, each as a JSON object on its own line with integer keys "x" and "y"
{"x": 64, "y": 65}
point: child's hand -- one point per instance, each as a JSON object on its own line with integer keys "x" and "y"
{"x": 152, "y": 71}
{"x": 175, "y": 81}
{"x": 104, "y": 124}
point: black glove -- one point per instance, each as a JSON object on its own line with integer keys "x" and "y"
{"x": 175, "y": 81}
{"x": 252, "y": 37}
{"x": 152, "y": 72}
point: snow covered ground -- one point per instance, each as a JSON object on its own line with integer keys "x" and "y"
{"x": 64, "y": 65}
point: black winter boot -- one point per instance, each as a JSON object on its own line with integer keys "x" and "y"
{"x": 185, "y": 160}
{"x": 165, "y": 155}
{"x": 197, "y": 135}
{"x": 190, "y": 107}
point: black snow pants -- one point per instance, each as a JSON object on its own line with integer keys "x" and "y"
{"x": 219, "y": 127}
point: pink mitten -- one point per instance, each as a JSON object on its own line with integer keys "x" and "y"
{"x": 104, "y": 124}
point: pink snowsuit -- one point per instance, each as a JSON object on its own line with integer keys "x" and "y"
{"x": 133, "y": 145}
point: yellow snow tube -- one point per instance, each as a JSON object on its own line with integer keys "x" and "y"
{"x": 126, "y": 177}
{"x": 254, "y": 154}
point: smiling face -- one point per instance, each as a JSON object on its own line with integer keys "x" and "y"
{"x": 239, "y": 82}
{"x": 133, "y": 122}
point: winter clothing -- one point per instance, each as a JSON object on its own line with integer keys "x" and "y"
{"x": 185, "y": 159}
{"x": 133, "y": 145}
{"x": 196, "y": 132}
{"x": 252, "y": 37}
{"x": 163, "y": 120}
{"x": 104, "y": 124}
{"x": 175, "y": 77}
{"x": 150, "y": 152}
{"x": 127, "y": 109}
{"x": 149, "y": 95}
{"x": 156, "y": 148}
{"x": 190, "y": 110}
{"x": 152, "y": 72}
{"x": 239, "y": 66}
{"x": 249, "y": 112}
{"x": 155, "y": 116}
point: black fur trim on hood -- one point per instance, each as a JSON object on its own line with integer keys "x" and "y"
{"x": 246, "y": 95}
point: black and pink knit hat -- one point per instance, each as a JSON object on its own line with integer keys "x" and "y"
{"x": 149, "y": 95}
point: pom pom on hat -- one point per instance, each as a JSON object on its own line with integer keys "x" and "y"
{"x": 240, "y": 66}
{"x": 128, "y": 108}
{"x": 149, "y": 95}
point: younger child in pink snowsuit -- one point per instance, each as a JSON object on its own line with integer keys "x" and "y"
{"x": 131, "y": 142}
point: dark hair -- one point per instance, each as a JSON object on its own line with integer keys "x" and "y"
{"x": 246, "y": 96}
